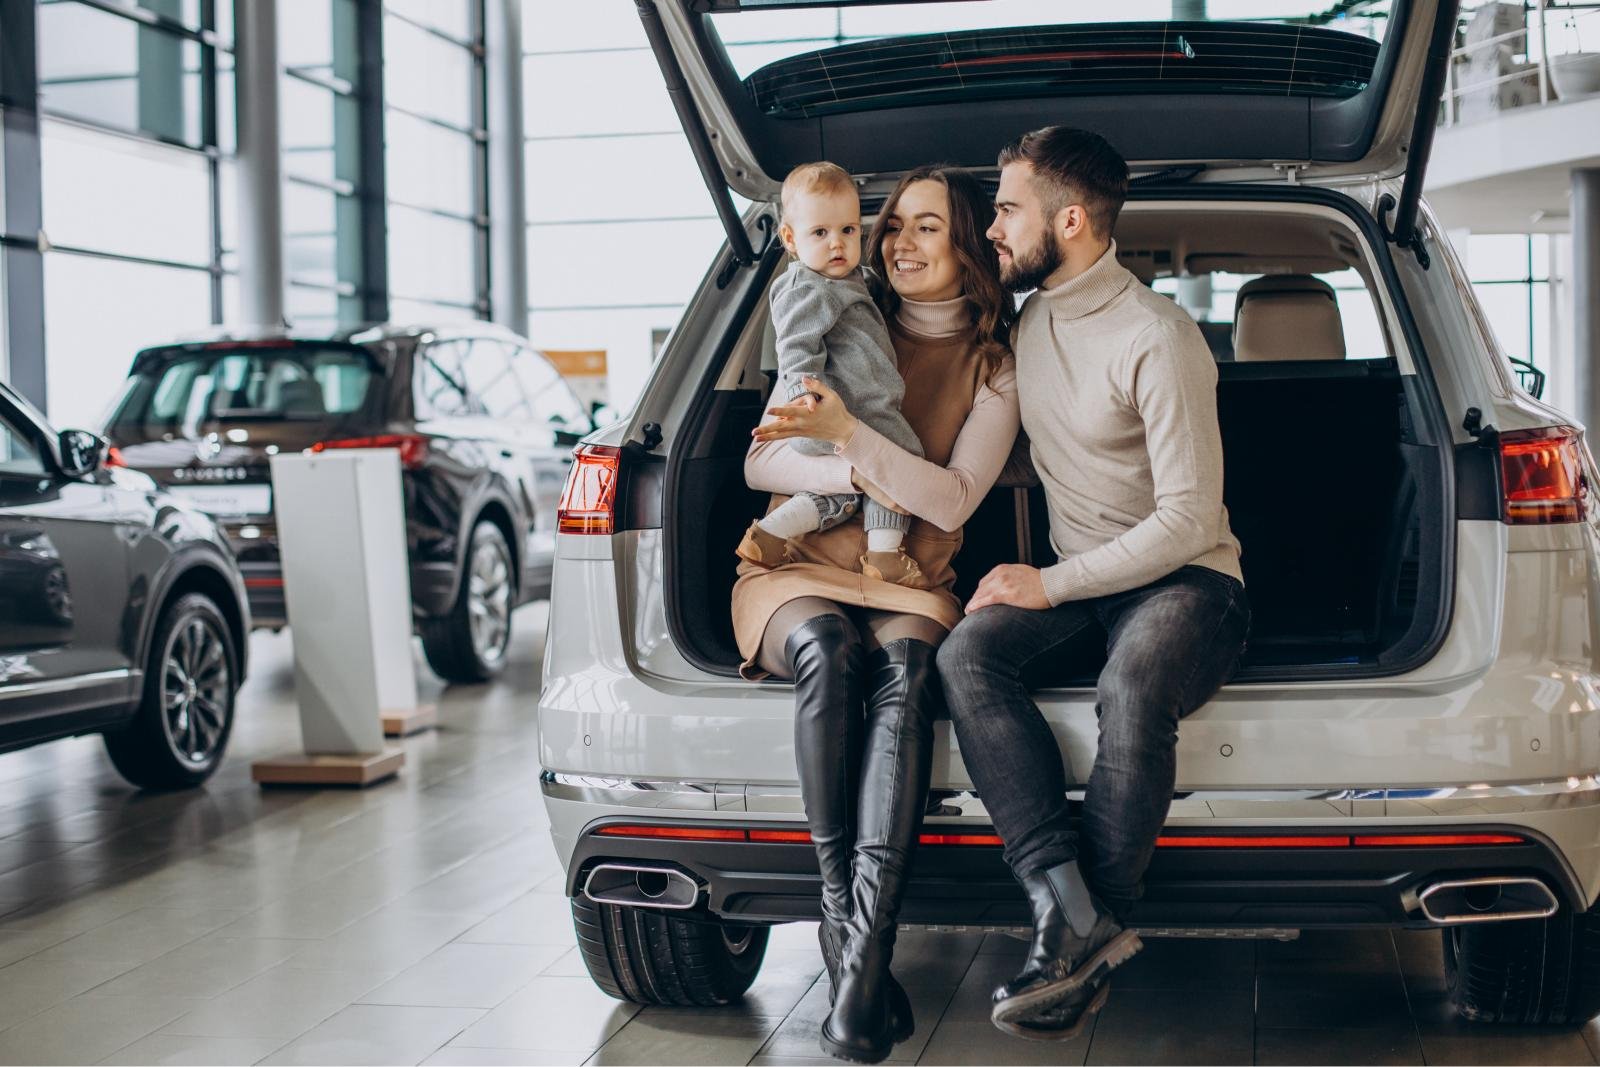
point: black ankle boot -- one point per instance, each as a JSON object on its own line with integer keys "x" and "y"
{"x": 826, "y": 662}
{"x": 1076, "y": 945}
{"x": 894, "y": 788}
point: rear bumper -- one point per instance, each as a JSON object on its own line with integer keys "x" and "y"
{"x": 1250, "y": 888}
{"x": 1340, "y": 878}
{"x": 263, "y": 587}
{"x": 433, "y": 590}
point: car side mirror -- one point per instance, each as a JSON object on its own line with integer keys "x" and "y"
{"x": 81, "y": 452}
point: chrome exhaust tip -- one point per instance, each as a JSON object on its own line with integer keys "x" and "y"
{"x": 641, "y": 887}
{"x": 1496, "y": 898}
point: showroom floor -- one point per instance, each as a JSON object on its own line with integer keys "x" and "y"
{"x": 422, "y": 921}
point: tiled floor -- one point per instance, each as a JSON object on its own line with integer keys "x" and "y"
{"x": 422, "y": 922}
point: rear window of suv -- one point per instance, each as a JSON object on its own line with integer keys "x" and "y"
{"x": 188, "y": 389}
{"x": 806, "y": 63}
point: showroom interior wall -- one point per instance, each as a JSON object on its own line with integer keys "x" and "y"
{"x": 390, "y": 180}
{"x": 385, "y": 193}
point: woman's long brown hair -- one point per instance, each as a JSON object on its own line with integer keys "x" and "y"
{"x": 991, "y": 307}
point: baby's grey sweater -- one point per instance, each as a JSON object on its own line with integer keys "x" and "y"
{"x": 829, "y": 329}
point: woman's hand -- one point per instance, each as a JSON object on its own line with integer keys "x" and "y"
{"x": 822, "y": 417}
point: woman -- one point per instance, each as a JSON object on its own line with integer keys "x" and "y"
{"x": 860, "y": 651}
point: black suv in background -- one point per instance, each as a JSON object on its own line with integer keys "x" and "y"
{"x": 121, "y": 610}
{"x": 483, "y": 423}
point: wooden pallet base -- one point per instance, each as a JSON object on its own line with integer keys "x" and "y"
{"x": 358, "y": 770}
{"x": 410, "y": 721}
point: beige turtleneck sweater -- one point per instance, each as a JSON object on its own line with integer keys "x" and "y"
{"x": 1119, "y": 399}
{"x": 943, "y": 495}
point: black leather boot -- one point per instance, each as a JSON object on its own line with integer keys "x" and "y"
{"x": 1077, "y": 943}
{"x": 826, "y": 662}
{"x": 901, "y": 697}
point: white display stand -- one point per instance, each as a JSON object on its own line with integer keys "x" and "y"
{"x": 341, "y": 539}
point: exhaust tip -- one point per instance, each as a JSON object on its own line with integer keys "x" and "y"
{"x": 1496, "y": 898}
{"x": 636, "y": 886}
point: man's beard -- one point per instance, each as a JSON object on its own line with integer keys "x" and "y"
{"x": 1027, "y": 273}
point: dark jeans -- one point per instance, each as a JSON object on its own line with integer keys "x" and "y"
{"x": 1170, "y": 645}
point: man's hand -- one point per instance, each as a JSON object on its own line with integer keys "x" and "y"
{"x": 1015, "y": 584}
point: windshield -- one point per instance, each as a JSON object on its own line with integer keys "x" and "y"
{"x": 804, "y": 63}
{"x": 181, "y": 392}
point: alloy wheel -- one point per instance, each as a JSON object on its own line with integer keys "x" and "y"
{"x": 737, "y": 938}
{"x": 489, "y": 600}
{"x": 194, "y": 690}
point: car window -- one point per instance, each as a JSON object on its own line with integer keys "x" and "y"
{"x": 1358, "y": 313}
{"x": 212, "y": 386}
{"x": 18, "y": 455}
{"x": 552, "y": 399}
{"x": 487, "y": 368}
{"x": 441, "y": 388}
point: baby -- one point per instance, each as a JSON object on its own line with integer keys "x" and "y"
{"x": 828, "y": 328}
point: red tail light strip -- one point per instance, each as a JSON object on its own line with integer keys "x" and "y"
{"x": 1429, "y": 840}
{"x": 683, "y": 833}
{"x": 413, "y": 447}
{"x": 263, "y": 583}
{"x": 1253, "y": 841}
{"x": 801, "y": 837}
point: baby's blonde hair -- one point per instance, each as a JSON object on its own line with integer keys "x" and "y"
{"x": 823, "y": 177}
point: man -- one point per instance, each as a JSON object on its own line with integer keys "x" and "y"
{"x": 1118, "y": 392}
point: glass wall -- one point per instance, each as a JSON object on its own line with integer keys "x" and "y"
{"x": 435, "y": 159}
{"x": 319, "y": 119}
{"x": 136, "y": 143}
{"x": 1511, "y": 275}
{"x": 607, "y": 184}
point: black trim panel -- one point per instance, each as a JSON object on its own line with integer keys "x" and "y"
{"x": 971, "y": 885}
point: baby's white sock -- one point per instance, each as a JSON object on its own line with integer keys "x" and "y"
{"x": 886, "y": 540}
{"x": 795, "y": 516}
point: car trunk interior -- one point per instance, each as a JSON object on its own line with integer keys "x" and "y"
{"x": 1340, "y": 511}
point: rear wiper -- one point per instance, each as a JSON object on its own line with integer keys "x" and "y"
{"x": 1168, "y": 175}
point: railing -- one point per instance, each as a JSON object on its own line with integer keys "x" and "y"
{"x": 1552, "y": 36}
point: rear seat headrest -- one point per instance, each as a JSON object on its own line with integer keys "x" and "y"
{"x": 1287, "y": 317}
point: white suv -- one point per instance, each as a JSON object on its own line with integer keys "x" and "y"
{"x": 1414, "y": 736}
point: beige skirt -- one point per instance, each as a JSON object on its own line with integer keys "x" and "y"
{"x": 828, "y": 565}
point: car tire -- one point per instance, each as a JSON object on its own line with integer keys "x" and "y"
{"x": 648, "y": 956}
{"x": 469, "y": 643}
{"x": 1539, "y": 972}
{"x": 179, "y": 734}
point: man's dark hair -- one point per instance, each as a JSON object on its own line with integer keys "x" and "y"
{"x": 1072, "y": 166}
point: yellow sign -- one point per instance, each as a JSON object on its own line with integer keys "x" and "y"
{"x": 578, "y": 362}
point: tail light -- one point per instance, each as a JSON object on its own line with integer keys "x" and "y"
{"x": 1542, "y": 472}
{"x": 589, "y": 501}
{"x": 114, "y": 458}
{"x": 413, "y": 447}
